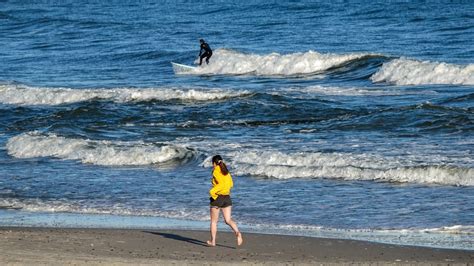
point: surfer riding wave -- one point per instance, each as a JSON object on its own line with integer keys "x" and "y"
{"x": 207, "y": 52}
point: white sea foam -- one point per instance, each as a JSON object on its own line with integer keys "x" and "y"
{"x": 24, "y": 95}
{"x": 317, "y": 90}
{"x": 455, "y": 229}
{"x": 412, "y": 72}
{"x": 230, "y": 62}
{"x": 348, "y": 167}
{"x": 30, "y": 145}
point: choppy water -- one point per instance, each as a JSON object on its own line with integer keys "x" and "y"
{"x": 348, "y": 118}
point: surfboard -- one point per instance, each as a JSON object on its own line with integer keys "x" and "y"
{"x": 180, "y": 68}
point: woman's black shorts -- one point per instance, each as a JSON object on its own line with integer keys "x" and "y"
{"x": 222, "y": 201}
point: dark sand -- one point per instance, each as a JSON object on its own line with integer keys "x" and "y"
{"x": 163, "y": 247}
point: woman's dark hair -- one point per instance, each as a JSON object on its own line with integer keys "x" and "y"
{"x": 217, "y": 159}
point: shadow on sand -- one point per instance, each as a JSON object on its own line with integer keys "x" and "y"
{"x": 184, "y": 239}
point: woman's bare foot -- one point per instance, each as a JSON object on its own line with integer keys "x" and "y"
{"x": 240, "y": 240}
{"x": 209, "y": 243}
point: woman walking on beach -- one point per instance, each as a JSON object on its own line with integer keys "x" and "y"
{"x": 220, "y": 199}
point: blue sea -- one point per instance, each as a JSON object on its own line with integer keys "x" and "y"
{"x": 346, "y": 120}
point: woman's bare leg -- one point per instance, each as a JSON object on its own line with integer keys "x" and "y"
{"x": 214, "y": 219}
{"x": 227, "y": 213}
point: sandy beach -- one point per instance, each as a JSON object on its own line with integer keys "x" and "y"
{"x": 112, "y": 246}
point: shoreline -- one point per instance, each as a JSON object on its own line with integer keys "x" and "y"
{"x": 12, "y": 218}
{"x": 25, "y": 245}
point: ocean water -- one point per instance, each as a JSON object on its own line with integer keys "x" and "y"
{"x": 335, "y": 119}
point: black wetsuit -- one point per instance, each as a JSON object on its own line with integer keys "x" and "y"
{"x": 207, "y": 53}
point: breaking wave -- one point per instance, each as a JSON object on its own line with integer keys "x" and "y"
{"x": 229, "y": 62}
{"x": 24, "y": 95}
{"x": 30, "y": 145}
{"x": 412, "y": 72}
{"x": 347, "y": 167}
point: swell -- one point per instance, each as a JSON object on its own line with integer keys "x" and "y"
{"x": 414, "y": 119}
{"x": 467, "y": 98}
{"x": 286, "y": 106}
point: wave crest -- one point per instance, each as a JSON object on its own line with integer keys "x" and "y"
{"x": 347, "y": 167}
{"x": 24, "y": 95}
{"x": 30, "y": 145}
{"x": 229, "y": 62}
{"x": 412, "y": 72}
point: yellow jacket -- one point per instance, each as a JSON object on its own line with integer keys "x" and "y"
{"x": 221, "y": 184}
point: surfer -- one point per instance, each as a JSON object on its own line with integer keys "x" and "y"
{"x": 220, "y": 199}
{"x": 207, "y": 52}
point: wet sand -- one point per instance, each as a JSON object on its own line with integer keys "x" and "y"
{"x": 180, "y": 247}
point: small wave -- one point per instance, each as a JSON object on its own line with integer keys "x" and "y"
{"x": 30, "y": 145}
{"x": 456, "y": 236}
{"x": 229, "y": 62}
{"x": 412, "y": 72}
{"x": 382, "y": 235}
{"x": 24, "y": 95}
{"x": 348, "y": 167}
{"x": 455, "y": 229}
{"x": 63, "y": 206}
